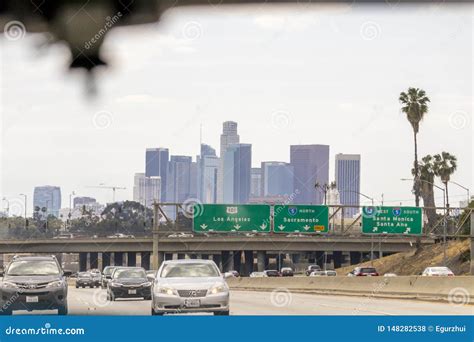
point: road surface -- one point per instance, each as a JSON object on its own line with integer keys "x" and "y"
{"x": 93, "y": 302}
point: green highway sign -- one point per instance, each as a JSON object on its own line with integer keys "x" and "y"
{"x": 301, "y": 219}
{"x": 231, "y": 218}
{"x": 392, "y": 220}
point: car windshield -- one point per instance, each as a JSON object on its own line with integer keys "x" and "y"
{"x": 108, "y": 271}
{"x": 129, "y": 273}
{"x": 440, "y": 269}
{"x": 192, "y": 270}
{"x": 368, "y": 270}
{"x": 33, "y": 267}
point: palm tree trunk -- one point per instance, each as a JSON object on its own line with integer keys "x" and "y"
{"x": 417, "y": 175}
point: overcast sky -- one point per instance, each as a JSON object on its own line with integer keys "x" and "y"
{"x": 291, "y": 75}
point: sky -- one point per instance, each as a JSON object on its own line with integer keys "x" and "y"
{"x": 288, "y": 75}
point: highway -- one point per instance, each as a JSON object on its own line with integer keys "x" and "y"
{"x": 93, "y": 302}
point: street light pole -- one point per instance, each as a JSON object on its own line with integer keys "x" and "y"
{"x": 463, "y": 187}
{"x": 8, "y": 205}
{"x": 26, "y": 219}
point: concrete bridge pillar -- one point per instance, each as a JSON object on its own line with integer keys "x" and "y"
{"x": 105, "y": 259}
{"x": 279, "y": 261}
{"x": 218, "y": 260}
{"x": 118, "y": 258}
{"x": 82, "y": 261}
{"x": 237, "y": 256}
{"x": 132, "y": 259}
{"x": 337, "y": 259}
{"x": 227, "y": 261}
{"x": 355, "y": 257}
{"x": 248, "y": 255}
{"x": 94, "y": 260}
{"x": 261, "y": 261}
{"x": 145, "y": 260}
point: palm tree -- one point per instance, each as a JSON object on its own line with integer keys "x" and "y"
{"x": 427, "y": 175}
{"x": 445, "y": 165}
{"x": 415, "y": 106}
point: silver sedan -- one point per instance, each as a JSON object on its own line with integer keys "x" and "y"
{"x": 189, "y": 286}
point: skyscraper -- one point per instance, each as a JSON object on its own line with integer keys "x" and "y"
{"x": 310, "y": 166}
{"x": 237, "y": 167}
{"x": 256, "y": 182}
{"x": 180, "y": 178}
{"x": 277, "y": 178}
{"x": 48, "y": 197}
{"x": 157, "y": 164}
{"x": 207, "y": 165}
{"x": 229, "y": 136}
{"x": 348, "y": 181}
{"x": 146, "y": 190}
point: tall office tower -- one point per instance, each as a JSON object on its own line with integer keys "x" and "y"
{"x": 193, "y": 178}
{"x": 277, "y": 179}
{"x": 207, "y": 168}
{"x": 229, "y": 136}
{"x": 348, "y": 181}
{"x": 237, "y": 168}
{"x": 310, "y": 166}
{"x": 146, "y": 190}
{"x": 179, "y": 178}
{"x": 48, "y": 197}
{"x": 256, "y": 182}
{"x": 157, "y": 164}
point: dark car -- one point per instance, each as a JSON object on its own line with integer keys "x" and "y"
{"x": 363, "y": 272}
{"x": 271, "y": 273}
{"x": 84, "y": 279}
{"x": 286, "y": 272}
{"x": 129, "y": 282}
{"x": 311, "y": 269}
{"x": 33, "y": 283}
{"x": 106, "y": 275}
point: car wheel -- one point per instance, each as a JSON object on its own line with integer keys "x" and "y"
{"x": 91, "y": 286}
{"x": 77, "y": 287}
{"x": 62, "y": 310}
{"x": 221, "y": 313}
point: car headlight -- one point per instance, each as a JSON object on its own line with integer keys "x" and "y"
{"x": 146, "y": 284}
{"x": 56, "y": 283}
{"x": 8, "y": 285}
{"x": 115, "y": 284}
{"x": 218, "y": 288}
{"x": 166, "y": 291}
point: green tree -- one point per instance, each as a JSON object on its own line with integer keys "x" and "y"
{"x": 415, "y": 106}
{"x": 445, "y": 165}
{"x": 427, "y": 175}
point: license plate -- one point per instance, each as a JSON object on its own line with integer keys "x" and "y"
{"x": 132, "y": 291}
{"x": 32, "y": 299}
{"x": 192, "y": 303}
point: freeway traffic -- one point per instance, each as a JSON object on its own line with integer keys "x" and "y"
{"x": 93, "y": 302}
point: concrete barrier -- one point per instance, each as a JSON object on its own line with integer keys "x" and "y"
{"x": 457, "y": 290}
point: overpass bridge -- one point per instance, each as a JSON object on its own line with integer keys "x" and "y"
{"x": 228, "y": 251}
